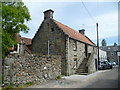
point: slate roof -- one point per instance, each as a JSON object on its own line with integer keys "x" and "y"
{"x": 110, "y": 48}
{"x": 74, "y": 34}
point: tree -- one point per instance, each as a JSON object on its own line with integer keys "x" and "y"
{"x": 14, "y": 16}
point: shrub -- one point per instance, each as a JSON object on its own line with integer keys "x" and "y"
{"x": 20, "y": 86}
{"x": 9, "y": 87}
{"x": 58, "y": 77}
{"x": 28, "y": 84}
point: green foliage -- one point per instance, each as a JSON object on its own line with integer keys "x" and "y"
{"x": 14, "y": 16}
{"x": 58, "y": 77}
{"x": 20, "y": 86}
{"x": 9, "y": 87}
{"x": 28, "y": 84}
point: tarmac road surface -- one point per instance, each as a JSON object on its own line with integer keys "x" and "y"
{"x": 100, "y": 79}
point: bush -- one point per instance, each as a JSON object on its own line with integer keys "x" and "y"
{"x": 28, "y": 84}
{"x": 58, "y": 77}
{"x": 9, "y": 87}
{"x": 20, "y": 86}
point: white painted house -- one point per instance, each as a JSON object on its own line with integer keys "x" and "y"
{"x": 102, "y": 55}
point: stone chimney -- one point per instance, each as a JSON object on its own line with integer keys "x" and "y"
{"x": 82, "y": 31}
{"x": 48, "y": 14}
{"x": 103, "y": 42}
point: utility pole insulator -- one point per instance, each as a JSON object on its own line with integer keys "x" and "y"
{"x": 97, "y": 24}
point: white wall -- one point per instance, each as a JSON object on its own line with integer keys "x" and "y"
{"x": 102, "y": 54}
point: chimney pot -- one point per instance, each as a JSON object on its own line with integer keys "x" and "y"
{"x": 82, "y": 31}
{"x": 48, "y": 14}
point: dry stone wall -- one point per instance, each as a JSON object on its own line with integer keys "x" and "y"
{"x": 20, "y": 69}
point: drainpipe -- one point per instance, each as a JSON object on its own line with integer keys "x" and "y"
{"x": 48, "y": 48}
{"x": 68, "y": 64}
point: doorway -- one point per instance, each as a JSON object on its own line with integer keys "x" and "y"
{"x": 86, "y": 50}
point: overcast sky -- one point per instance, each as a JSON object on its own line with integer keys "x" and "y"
{"x": 78, "y": 15}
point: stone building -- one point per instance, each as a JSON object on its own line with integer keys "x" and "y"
{"x": 23, "y": 45}
{"x": 78, "y": 53}
{"x": 111, "y": 52}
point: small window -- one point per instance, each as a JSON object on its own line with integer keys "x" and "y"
{"x": 52, "y": 29}
{"x": 75, "y": 46}
{"x": 75, "y": 63}
{"x": 75, "y": 59}
{"x": 112, "y": 54}
{"x": 48, "y": 24}
{"x": 75, "y": 55}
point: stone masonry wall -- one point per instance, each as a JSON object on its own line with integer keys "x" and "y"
{"x": 92, "y": 58}
{"x": 75, "y": 57}
{"x": 20, "y": 69}
{"x": 49, "y": 31}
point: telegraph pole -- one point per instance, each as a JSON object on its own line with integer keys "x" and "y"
{"x": 97, "y": 41}
{"x": 48, "y": 48}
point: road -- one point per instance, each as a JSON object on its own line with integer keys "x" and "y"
{"x": 108, "y": 79}
{"x": 100, "y": 79}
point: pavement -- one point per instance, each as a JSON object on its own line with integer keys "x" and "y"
{"x": 100, "y": 77}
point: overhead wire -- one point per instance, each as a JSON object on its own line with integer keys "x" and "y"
{"x": 92, "y": 18}
{"x": 88, "y": 11}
